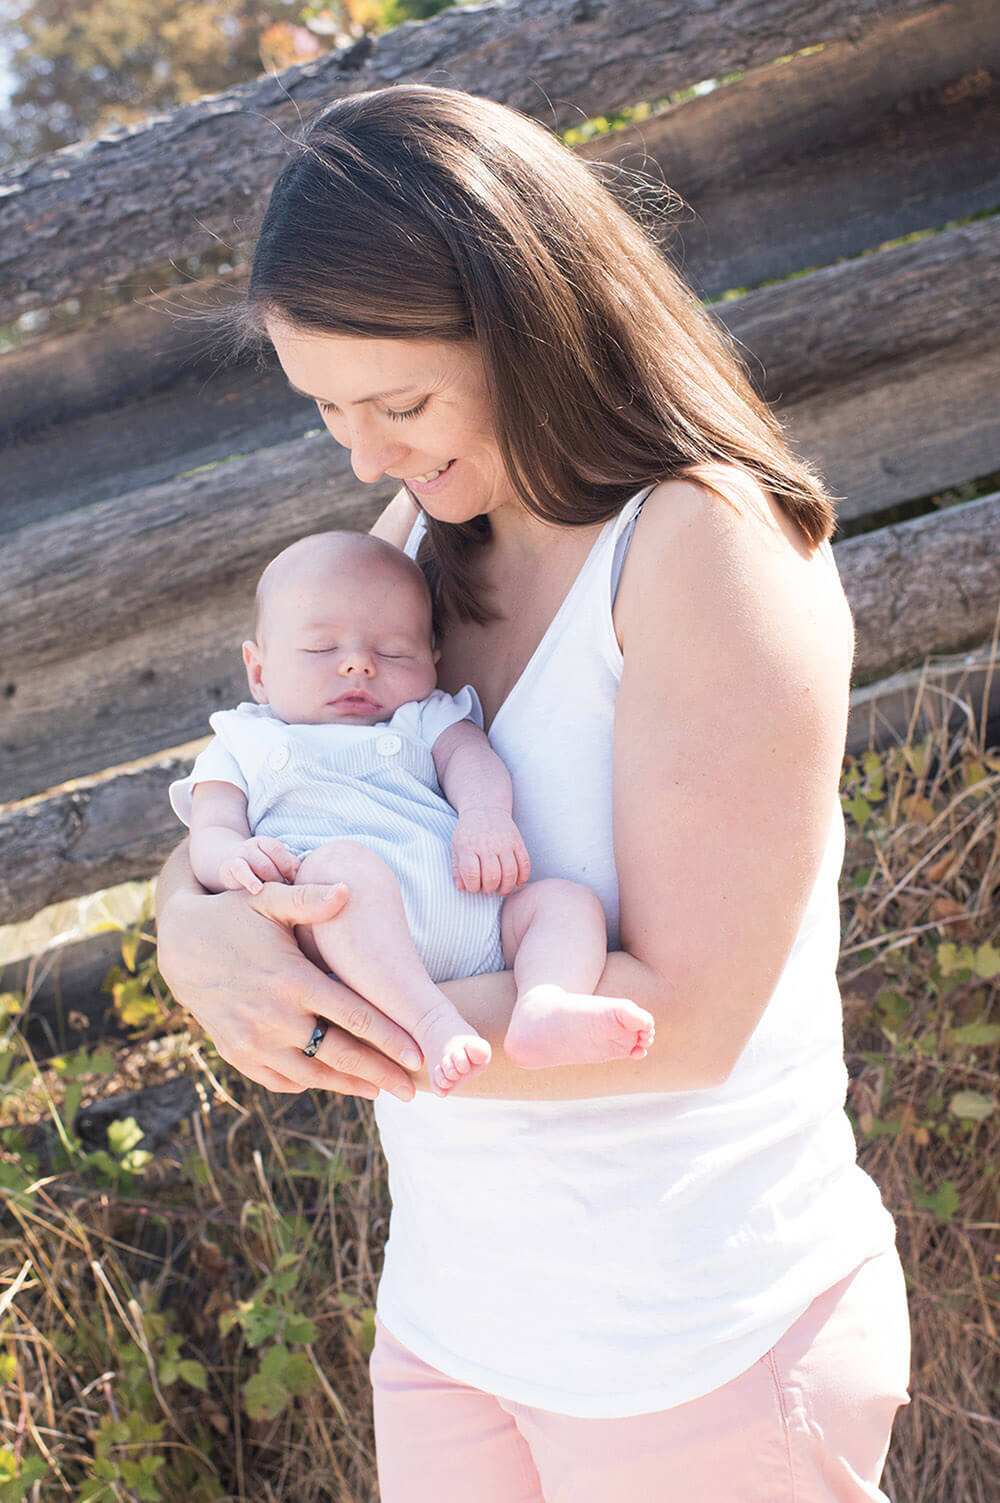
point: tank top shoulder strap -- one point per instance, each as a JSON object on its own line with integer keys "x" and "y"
{"x": 622, "y": 536}
{"x": 416, "y": 534}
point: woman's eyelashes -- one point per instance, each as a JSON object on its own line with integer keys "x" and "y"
{"x": 397, "y": 417}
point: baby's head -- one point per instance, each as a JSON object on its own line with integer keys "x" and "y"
{"x": 342, "y": 632}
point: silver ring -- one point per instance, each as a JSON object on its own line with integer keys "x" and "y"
{"x": 316, "y": 1038}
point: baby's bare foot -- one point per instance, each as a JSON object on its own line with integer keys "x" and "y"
{"x": 454, "y": 1052}
{"x": 551, "y": 1026}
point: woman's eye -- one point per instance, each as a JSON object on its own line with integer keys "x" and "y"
{"x": 397, "y": 417}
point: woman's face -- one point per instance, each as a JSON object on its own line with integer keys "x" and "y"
{"x": 405, "y": 408}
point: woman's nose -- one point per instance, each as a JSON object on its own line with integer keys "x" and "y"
{"x": 372, "y": 453}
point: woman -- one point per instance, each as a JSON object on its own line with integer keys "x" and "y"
{"x": 666, "y": 1274}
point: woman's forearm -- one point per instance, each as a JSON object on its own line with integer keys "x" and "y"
{"x": 176, "y": 878}
{"x": 683, "y": 1056}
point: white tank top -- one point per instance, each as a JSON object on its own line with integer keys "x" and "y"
{"x": 625, "y": 1254}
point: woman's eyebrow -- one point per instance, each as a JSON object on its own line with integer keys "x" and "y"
{"x": 397, "y": 391}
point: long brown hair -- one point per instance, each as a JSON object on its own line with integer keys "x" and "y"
{"x": 418, "y": 212}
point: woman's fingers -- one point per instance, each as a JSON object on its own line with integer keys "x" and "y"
{"x": 308, "y": 903}
{"x": 362, "y": 1039}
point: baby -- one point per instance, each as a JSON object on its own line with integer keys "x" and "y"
{"x": 351, "y": 766}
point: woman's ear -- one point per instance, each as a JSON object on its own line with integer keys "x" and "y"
{"x": 255, "y": 671}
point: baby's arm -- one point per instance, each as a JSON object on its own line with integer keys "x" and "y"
{"x": 488, "y": 854}
{"x": 224, "y": 854}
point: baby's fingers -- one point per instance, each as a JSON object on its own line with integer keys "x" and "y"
{"x": 238, "y": 873}
{"x": 509, "y": 872}
{"x": 285, "y": 864}
{"x": 465, "y": 868}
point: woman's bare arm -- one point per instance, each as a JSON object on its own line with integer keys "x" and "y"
{"x": 729, "y": 737}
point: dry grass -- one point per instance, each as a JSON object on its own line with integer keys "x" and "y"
{"x": 197, "y": 1323}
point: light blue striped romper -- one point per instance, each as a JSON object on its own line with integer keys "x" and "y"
{"x": 308, "y": 784}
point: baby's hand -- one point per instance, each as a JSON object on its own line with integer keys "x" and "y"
{"x": 487, "y": 853}
{"x": 256, "y": 861}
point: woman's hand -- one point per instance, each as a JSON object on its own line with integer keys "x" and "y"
{"x": 231, "y": 959}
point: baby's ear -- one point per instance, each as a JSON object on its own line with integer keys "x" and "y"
{"x": 255, "y": 671}
{"x": 436, "y": 655}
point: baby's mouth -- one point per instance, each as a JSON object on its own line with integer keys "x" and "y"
{"x": 355, "y": 699}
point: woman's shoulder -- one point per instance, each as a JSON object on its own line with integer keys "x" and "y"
{"x": 395, "y": 523}
{"x": 702, "y": 553}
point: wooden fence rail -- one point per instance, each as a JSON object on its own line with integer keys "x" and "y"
{"x": 145, "y": 484}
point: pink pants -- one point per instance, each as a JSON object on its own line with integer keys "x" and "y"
{"x": 808, "y": 1423}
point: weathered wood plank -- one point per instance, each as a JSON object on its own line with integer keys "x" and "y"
{"x": 201, "y": 419}
{"x": 830, "y": 154}
{"x": 170, "y": 187}
{"x": 127, "y": 355}
{"x": 917, "y": 589}
{"x": 804, "y": 337}
{"x": 930, "y": 585}
{"x": 808, "y": 335}
{"x": 958, "y": 691}
{"x": 907, "y": 431}
{"x": 100, "y": 832}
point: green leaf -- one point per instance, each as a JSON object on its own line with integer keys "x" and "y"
{"x": 275, "y": 1361}
{"x": 972, "y": 1106}
{"x": 987, "y": 962}
{"x": 300, "y": 1375}
{"x": 130, "y": 945}
{"x": 265, "y": 1397}
{"x": 123, "y": 1135}
{"x": 977, "y": 1033}
{"x": 944, "y": 1201}
{"x": 951, "y": 959}
{"x": 298, "y": 1328}
{"x": 194, "y": 1374}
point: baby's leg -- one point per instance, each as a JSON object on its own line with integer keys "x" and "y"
{"x": 554, "y": 934}
{"x": 368, "y": 946}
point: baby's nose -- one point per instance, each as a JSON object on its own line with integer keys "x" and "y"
{"x": 358, "y": 662}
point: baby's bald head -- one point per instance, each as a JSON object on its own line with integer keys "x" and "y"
{"x": 342, "y": 632}
{"x": 319, "y": 561}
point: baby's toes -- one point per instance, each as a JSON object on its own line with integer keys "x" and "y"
{"x": 478, "y": 1053}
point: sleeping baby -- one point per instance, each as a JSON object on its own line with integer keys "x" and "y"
{"x": 351, "y": 766}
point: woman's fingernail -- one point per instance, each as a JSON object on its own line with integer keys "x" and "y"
{"x": 411, "y": 1059}
{"x": 404, "y": 1093}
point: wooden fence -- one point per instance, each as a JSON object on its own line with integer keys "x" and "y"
{"x": 128, "y": 566}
